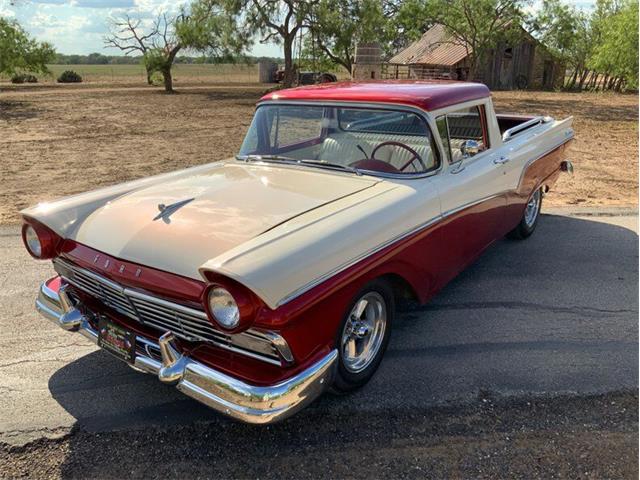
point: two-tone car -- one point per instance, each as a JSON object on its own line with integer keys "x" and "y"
{"x": 256, "y": 283}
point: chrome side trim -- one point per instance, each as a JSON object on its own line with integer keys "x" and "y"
{"x": 281, "y": 344}
{"x": 568, "y": 138}
{"x": 219, "y": 391}
{"x": 296, "y": 293}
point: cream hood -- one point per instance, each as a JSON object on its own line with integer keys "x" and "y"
{"x": 225, "y": 206}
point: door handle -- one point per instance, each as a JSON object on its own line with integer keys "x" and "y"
{"x": 502, "y": 160}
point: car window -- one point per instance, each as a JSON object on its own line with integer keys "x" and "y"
{"x": 464, "y": 124}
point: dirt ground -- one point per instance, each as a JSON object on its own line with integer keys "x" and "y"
{"x": 56, "y": 141}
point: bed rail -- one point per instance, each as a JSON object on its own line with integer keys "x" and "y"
{"x": 513, "y": 131}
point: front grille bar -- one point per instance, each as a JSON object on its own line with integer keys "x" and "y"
{"x": 186, "y": 323}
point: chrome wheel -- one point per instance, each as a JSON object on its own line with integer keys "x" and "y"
{"x": 532, "y": 210}
{"x": 363, "y": 332}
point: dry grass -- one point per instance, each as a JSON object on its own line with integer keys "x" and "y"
{"x": 64, "y": 140}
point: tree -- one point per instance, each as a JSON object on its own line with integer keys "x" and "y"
{"x": 157, "y": 44}
{"x": 601, "y": 48}
{"x": 337, "y": 26}
{"x": 566, "y": 31}
{"x": 616, "y": 53}
{"x": 19, "y": 52}
{"x": 278, "y": 21}
{"x": 205, "y": 26}
{"x": 479, "y": 25}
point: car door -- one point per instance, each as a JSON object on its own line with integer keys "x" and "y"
{"x": 472, "y": 195}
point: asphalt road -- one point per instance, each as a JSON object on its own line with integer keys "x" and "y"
{"x": 556, "y": 314}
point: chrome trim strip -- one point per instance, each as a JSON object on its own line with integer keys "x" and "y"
{"x": 464, "y": 206}
{"x": 344, "y": 266}
{"x": 219, "y": 391}
{"x": 165, "y": 303}
{"x": 567, "y": 139}
{"x": 281, "y": 345}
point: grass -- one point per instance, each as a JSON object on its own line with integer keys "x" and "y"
{"x": 222, "y": 73}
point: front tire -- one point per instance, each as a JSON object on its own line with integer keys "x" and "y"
{"x": 529, "y": 219}
{"x": 363, "y": 336}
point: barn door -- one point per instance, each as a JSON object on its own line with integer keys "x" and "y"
{"x": 506, "y": 69}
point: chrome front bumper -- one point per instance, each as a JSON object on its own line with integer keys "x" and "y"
{"x": 228, "y": 395}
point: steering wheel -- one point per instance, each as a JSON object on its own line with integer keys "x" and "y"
{"x": 372, "y": 163}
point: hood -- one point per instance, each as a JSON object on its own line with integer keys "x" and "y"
{"x": 209, "y": 212}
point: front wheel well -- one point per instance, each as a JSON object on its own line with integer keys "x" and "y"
{"x": 404, "y": 294}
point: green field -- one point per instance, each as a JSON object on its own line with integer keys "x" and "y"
{"x": 240, "y": 73}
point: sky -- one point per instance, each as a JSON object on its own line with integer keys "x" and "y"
{"x": 79, "y": 26}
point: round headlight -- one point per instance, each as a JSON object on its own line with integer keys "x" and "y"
{"x": 32, "y": 241}
{"x": 223, "y": 307}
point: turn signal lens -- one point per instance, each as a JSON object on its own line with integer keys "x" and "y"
{"x": 32, "y": 241}
{"x": 223, "y": 307}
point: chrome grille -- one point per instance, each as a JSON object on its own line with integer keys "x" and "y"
{"x": 187, "y": 323}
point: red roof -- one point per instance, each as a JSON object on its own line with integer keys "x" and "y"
{"x": 428, "y": 95}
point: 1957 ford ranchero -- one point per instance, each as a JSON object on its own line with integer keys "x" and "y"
{"x": 254, "y": 284}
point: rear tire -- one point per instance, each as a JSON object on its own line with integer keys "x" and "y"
{"x": 530, "y": 217}
{"x": 363, "y": 336}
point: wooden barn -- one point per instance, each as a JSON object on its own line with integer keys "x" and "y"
{"x": 437, "y": 55}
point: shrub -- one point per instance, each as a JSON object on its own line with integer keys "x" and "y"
{"x": 69, "y": 76}
{"x": 24, "y": 78}
{"x": 157, "y": 80}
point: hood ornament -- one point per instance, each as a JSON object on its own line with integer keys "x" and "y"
{"x": 167, "y": 210}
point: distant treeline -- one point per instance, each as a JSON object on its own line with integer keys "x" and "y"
{"x": 100, "y": 59}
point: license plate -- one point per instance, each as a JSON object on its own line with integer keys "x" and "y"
{"x": 117, "y": 340}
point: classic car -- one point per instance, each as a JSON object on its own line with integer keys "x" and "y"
{"x": 255, "y": 284}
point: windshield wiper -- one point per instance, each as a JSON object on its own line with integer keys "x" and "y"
{"x": 288, "y": 160}
{"x": 323, "y": 163}
{"x": 266, "y": 158}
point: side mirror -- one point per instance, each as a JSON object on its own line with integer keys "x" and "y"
{"x": 469, "y": 148}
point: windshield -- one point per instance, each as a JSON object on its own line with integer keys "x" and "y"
{"x": 351, "y": 138}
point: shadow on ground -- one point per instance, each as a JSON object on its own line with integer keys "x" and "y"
{"x": 17, "y": 110}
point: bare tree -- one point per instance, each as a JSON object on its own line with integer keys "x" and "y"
{"x": 158, "y": 44}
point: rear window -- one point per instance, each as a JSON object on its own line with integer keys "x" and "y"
{"x": 381, "y": 121}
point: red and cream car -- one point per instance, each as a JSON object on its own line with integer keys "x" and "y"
{"x": 256, "y": 283}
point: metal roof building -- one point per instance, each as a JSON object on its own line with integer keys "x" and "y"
{"x": 439, "y": 55}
